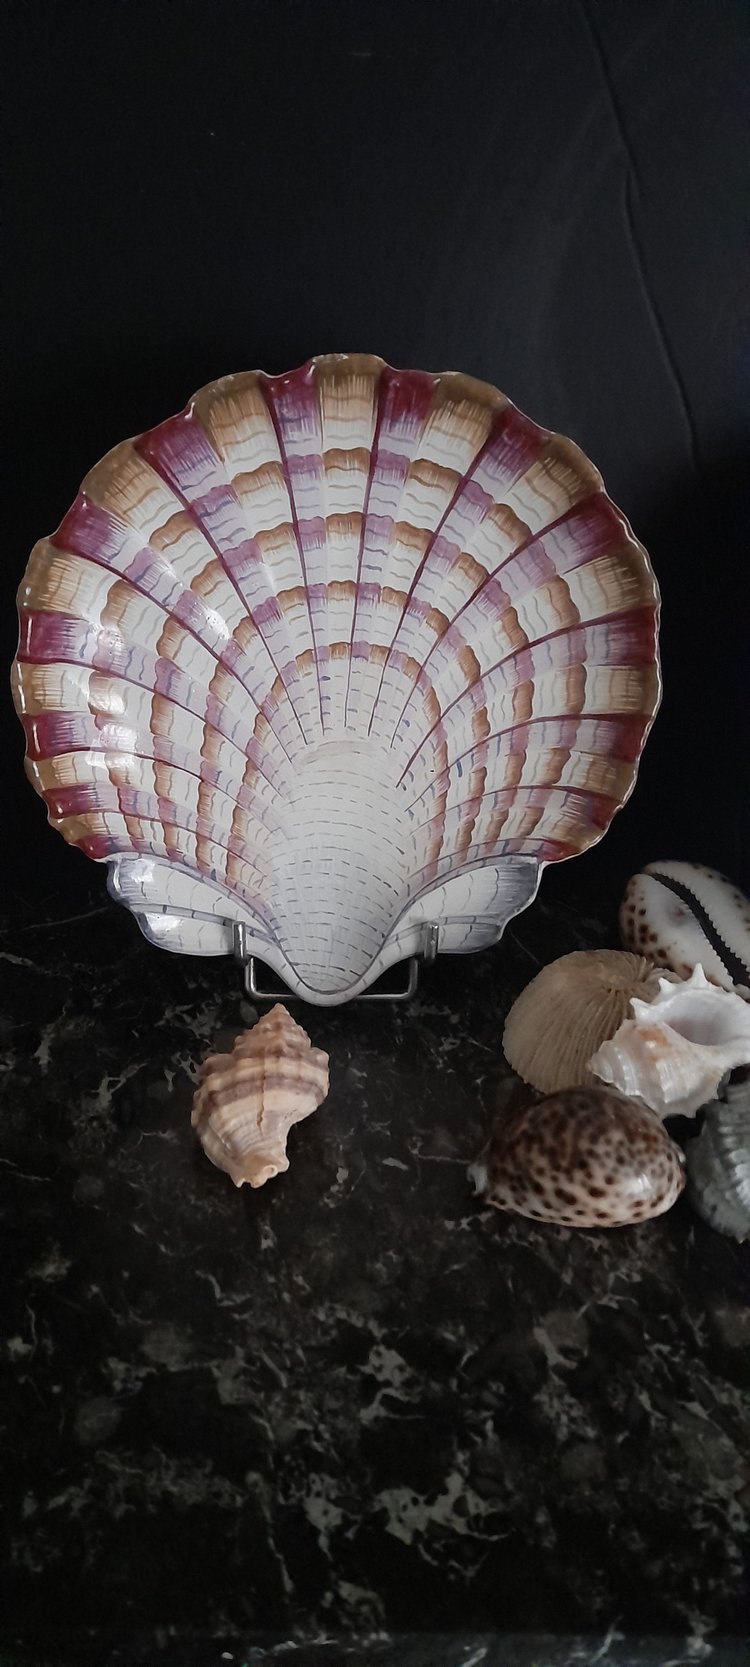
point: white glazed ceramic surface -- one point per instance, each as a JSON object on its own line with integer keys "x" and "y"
{"x": 333, "y": 655}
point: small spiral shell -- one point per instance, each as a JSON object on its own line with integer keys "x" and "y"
{"x": 249, "y": 1099}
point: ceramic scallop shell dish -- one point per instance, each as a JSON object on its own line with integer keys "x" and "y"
{"x": 332, "y": 656}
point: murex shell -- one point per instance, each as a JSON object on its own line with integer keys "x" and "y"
{"x": 718, "y": 1162}
{"x": 681, "y": 914}
{"x": 568, "y": 1010}
{"x": 248, "y": 1099}
{"x": 586, "y": 1157}
{"x": 332, "y": 656}
{"x": 676, "y": 1049}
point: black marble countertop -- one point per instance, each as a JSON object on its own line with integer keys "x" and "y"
{"x": 355, "y": 1416}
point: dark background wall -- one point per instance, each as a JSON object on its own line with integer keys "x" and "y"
{"x": 545, "y": 193}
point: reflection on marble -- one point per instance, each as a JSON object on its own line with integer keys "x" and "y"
{"x": 245, "y": 1427}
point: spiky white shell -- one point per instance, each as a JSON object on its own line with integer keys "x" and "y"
{"x": 676, "y": 1049}
{"x": 249, "y": 1099}
{"x": 331, "y": 655}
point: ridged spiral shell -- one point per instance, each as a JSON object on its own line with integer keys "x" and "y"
{"x": 249, "y": 1099}
{"x": 718, "y": 1162}
{"x": 332, "y": 655}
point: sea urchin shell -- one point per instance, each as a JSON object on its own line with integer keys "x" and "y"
{"x": 568, "y": 1010}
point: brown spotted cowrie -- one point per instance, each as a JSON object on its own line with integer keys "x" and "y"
{"x": 586, "y": 1157}
{"x": 681, "y": 914}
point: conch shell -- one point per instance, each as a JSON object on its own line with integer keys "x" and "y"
{"x": 568, "y": 1010}
{"x": 586, "y": 1157}
{"x": 675, "y": 1050}
{"x": 248, "y": 1099}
